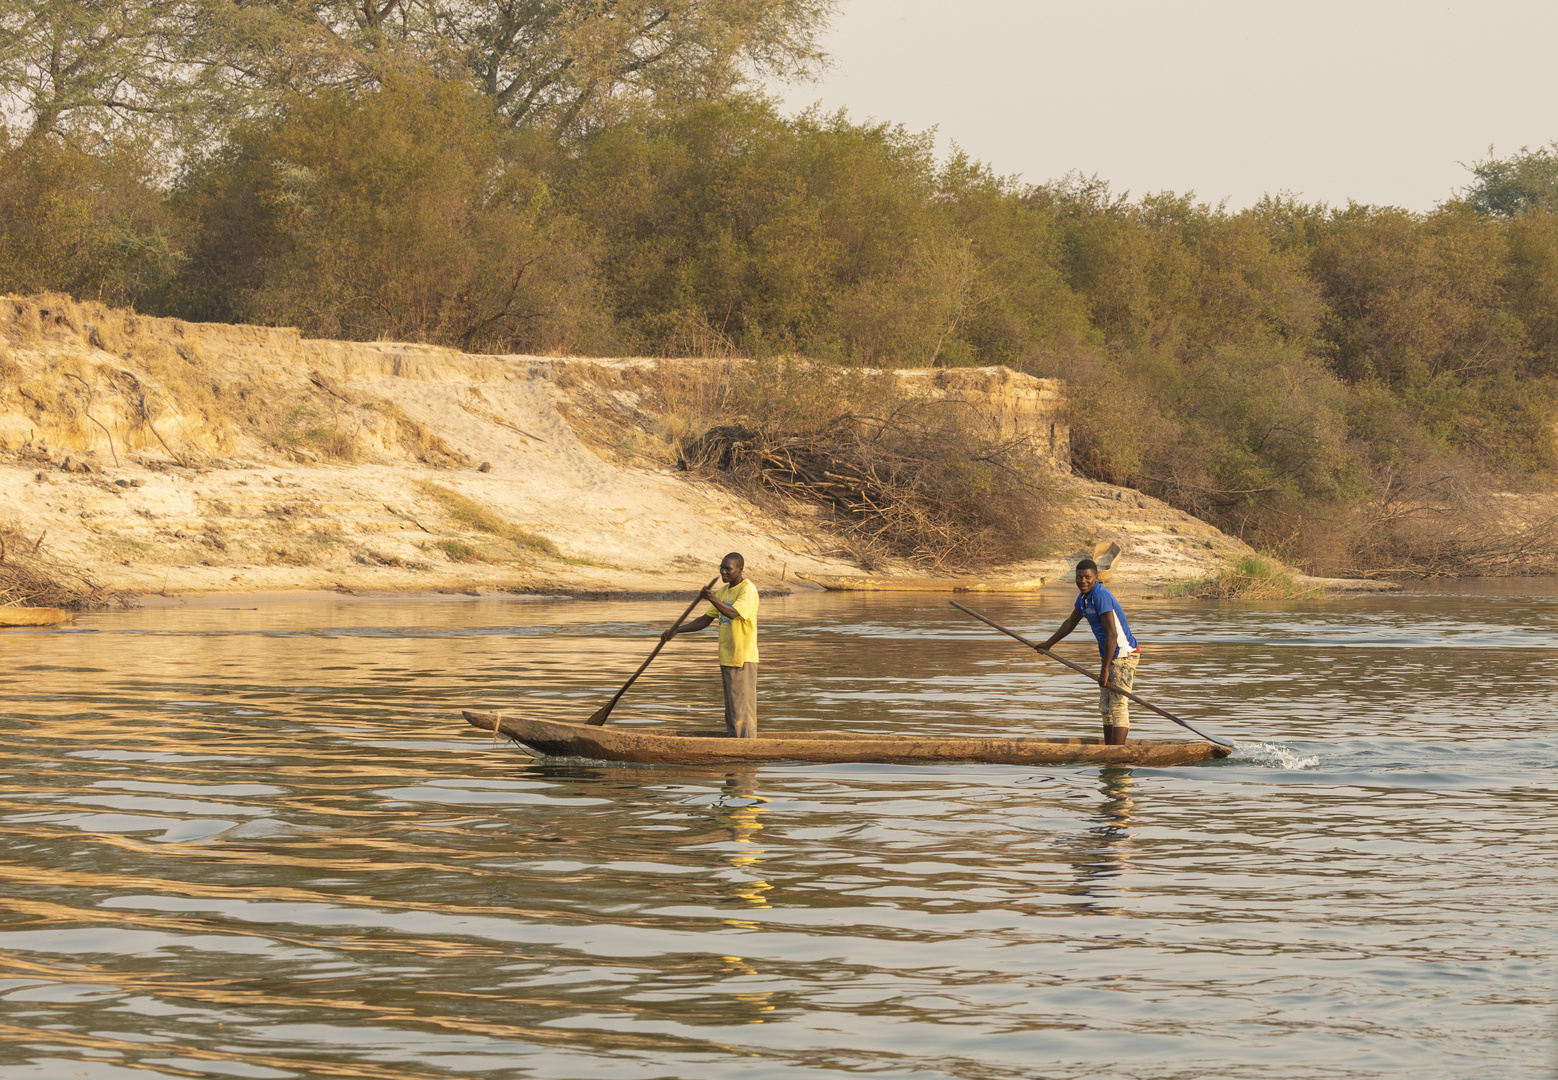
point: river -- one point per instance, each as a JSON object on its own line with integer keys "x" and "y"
{"x": 255, "y": 839}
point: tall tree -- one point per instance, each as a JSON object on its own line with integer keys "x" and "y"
{"x": 258, "y": 54}
{"x": 1513, "y": 185}
{"x": 568, "y": 64}
{"x": 401, "y": 213}
{"x": 78, "y": 67}
{"x": 68, "y": 66}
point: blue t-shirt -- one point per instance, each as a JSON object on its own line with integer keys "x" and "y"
{"x": 1095, "y": 606}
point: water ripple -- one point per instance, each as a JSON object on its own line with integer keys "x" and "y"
{"x": 263, "y": 844}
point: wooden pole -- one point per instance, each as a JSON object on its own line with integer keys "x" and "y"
{"x": 1089, "y": 674}
{"x": 598, "y": 719}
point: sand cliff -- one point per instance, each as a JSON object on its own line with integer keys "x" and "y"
{"x": 167, "y": 457}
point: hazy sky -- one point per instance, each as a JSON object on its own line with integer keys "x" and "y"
{"x": 1375, "y": 100}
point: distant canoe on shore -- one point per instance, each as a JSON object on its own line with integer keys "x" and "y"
{"x": 550, "y": 739}
{"x": 35, "y": 616}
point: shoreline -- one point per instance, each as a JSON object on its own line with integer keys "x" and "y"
{"x": 528, "y": 595}
{"x": 1473, "y": 586}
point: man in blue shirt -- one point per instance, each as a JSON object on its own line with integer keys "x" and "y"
{"x": 1116, "y": 645}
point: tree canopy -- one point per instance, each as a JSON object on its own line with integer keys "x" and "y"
{"x": 1511, "y": 186}
{"x": 183, "y": 68}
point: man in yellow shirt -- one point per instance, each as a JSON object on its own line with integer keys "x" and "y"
{"x": 735, "y": 606}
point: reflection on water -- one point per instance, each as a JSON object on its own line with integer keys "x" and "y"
{"x": 740, "y": 808}
{"x": 1105, "y": 849}
{"x": 260, "y": 843}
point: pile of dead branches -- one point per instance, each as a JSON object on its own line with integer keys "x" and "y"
{"x": 1474, "y": 536}
{"x": 923, "y": 485}
{"x": 31, "y": 577}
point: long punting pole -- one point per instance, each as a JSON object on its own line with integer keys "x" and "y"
{"x": 1089, "y": 674}
{"x": 599, "y": 717}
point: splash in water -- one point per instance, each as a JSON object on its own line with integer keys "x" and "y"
{"x": 1272, "y": 756}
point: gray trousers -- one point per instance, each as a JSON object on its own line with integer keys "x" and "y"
{"x": 740, "y": 700}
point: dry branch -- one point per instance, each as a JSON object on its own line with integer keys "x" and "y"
{"x": 921, "y": 485}
{"x": 31, "y": 577}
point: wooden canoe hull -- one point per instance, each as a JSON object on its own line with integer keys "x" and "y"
{"x": 551, "y": 739}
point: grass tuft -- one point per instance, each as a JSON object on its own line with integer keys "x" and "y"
{"x": 460, "y": 552}
{"x": 478, "y": 518}
{"x": 1254, "y": 577}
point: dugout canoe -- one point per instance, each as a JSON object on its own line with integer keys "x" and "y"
{"x": 551, "y": 739}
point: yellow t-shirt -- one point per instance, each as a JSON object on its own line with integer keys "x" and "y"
{"x": 738, "y": 637}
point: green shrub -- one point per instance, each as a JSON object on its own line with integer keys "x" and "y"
{"x": 1254, "y": 577}
{"x": 460, "y": 552}
{"x": 91, "y": 225}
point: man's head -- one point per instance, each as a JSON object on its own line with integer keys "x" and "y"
{"x": 1087, "y": 576}
{"x": 730, "y": 568}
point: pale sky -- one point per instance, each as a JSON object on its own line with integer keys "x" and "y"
{"x": 1376, "y": 100}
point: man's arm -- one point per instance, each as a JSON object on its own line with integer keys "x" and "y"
{"x": 1111, "y": 645}
{"x": 1065, "y": 628}
{"x": 720, "y": 606}
{"x": 687, "y": 627}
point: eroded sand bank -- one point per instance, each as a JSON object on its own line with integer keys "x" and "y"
{"x": 165, "y": 458}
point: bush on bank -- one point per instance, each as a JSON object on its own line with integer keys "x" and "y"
{"x": 1254, "y": 577}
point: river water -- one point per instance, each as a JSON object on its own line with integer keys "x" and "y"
{"x": 256, "y": 840}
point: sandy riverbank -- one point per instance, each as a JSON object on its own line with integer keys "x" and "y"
{"x": 155, "y": 529}
{"x": 170, "y": 459}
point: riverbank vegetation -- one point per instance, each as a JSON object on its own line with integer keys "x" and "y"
{"x": 902, "y": 477}
{"x": 470, "y": 514}
{"x": 891, "y": 474}
{"x": 1352, "y": 387}
{"x": 1254, "y": 577}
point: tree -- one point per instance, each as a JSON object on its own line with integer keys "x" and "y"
{"x": 1414, "y": 297}
{"x": 258, "y": 57}
{"x": 1532, "y": 286}
{"x": 761, "y": 228}
{"x": 1516, "y": 184}
{"x": 572, "y": 64}
{"x": 92, "y": 225}
{"x": 1023, "y": 310}
{"x": 566, "y": 65}
{"x": 1168, "y": 272}
{"x": 403, "y": 213}
{"x": 88, "y": 67}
